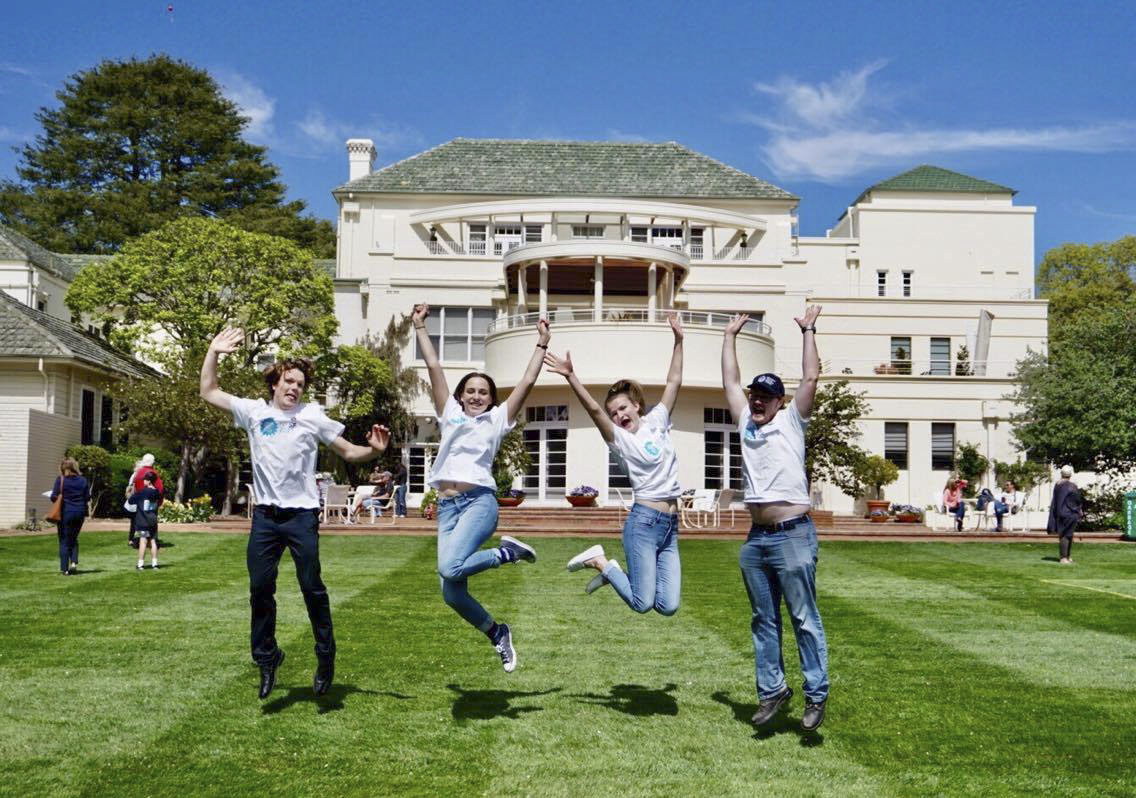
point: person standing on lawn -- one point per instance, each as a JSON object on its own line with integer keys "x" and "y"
{"x": 284, "y": 436}
{"x": 472, "y": 425}
{"x": 1065, "y": 511}
{"x": 778, "y": 559}
{"x": 145, "y": 518}
{"x": 76, "y": 492}
{"x": 143, "y": 467}
{"x": 642, "y": 444}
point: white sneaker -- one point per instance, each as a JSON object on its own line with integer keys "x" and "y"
{"x": 577, "y": 562}
{"x": 599, "y": 580}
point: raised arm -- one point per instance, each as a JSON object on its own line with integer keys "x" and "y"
{"x": 810, "y": 362}
{"x": 731, "y": 375}
{"x": 226, "y": 341}
{"x": 563, "y": 367}
{"x": 517, "y": 398}
{"x": 377, "y": 440}
{"x": 438, "y": 388}
{"x": 674, "y": 375}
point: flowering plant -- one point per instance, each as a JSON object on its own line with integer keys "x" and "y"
{"x": 513, "y": 493}
{"x": 584, "y": 490}
{"x": 194, "y": 511}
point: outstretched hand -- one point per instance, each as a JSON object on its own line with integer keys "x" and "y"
{"x": 676, "y": 324}
{"x": 228, "y": 340}
{"x": 810, "y": 317}
{"x": 557, "y": 365}
{"x": 736, "y": 323}
{"x": 378, "y": 438}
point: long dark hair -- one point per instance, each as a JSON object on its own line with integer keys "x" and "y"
{"x": 492, "y": 388}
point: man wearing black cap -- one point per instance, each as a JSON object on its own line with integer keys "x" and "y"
{"x": 779, "y": 557}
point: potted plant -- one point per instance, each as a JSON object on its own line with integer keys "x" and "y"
{"x": 429, "y": 504}
{"x": 512, "y": 461}
{"x": 906, "y": 513}
{"x": 875, "y": 472}
{"x": 582, "y": 496}
{"x": 509, "y": 497}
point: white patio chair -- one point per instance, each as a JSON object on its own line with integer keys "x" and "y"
{"x": 725, "y": 502}
{"x": 937, "y": 517}
{"x": 625, "y": 503}
{"x": 702, "y": 505}
{"x": 364, "y": 492}
{"x": 337, "y": 503}
{"x": 251, "y": 503}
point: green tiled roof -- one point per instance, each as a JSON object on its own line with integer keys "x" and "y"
{"x": 935, "y": 178}
{"x": 14, "y": 246}
{"x": 25, "y": 332}
{"x": 584, "y": 168}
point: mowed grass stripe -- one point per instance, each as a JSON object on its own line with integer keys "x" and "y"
{"x": 645, "y": 704}
{"x": 95, "y": 696}
{"x": 1020, "y": 629}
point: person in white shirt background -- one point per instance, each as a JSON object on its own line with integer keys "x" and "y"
{"x": 284, "y": 436}
{"x": 472, "y": 424}
{"x": 778, "y": 559}
{"x": 1008, "y": 501}
{"x": 642, "y": 444}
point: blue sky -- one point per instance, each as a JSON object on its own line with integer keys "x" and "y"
{"x": 821, "y": 99}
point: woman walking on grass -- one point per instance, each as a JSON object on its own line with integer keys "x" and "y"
{"x": 76, "y": 492}
{"x": 472, "y": 425}
{"x": 643, "y": 446}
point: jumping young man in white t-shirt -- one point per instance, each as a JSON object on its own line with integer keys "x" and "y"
{"x": 642, "y": 445}
{"x": 472, "y": 424}
{"x": 779, "y": 557}
{"x": 284, "y": 436}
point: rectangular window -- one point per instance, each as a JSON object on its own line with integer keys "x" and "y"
{"x": 667, "y": 237}
{"x": 507, "y": 237}
{"x": 533, "y": 233}
{"x": 546, "y": 440}
{"x": 881, "y": 283}
{"x": 901, "y": 354}
{"x": 87, "y": 418}
{"x": 696, "y": 241}
{"x": 942, "y": 446}
{"x": 457, "y": 333}
{"x": 587, "y": 231}
{"x": 722, "y": 450}
{"x": 417, "y": 469}
{"x": 895, "y": 443}
{"x": 106, "y": 422}
{"x": 639, "y": 235}
{"x": 907, "y": 283}
{"x": 616, "y": 478}
{"x": 940, "y": 357}
{"x": 477, "y": 239}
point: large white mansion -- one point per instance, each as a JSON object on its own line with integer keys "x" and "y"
{"x": 602, "y": 237}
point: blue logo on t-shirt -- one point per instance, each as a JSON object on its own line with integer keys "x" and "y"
{"x": 751, "y": 432}
{"x": 651, "y": 448}
{"x": 268, "y": 427}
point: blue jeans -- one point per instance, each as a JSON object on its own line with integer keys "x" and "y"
{"x": 400, "y": 501}
{"x": 783, "y": 565}
{"x": 465, "y": 522}
{"x": 1000, "y": 509}
{"x": 654, "y": 574}
{"x": 69, "y": 526}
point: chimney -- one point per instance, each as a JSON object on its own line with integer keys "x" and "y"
{"x": 360, "y": 158}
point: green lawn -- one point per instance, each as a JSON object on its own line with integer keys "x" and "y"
{"x": 956, "y": 670}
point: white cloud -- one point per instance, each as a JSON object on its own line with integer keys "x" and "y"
{"x": 9, "y": 135}
{"x": 253, "y": 103}
{"x": 1094, "y": 211}
{"x": 827, "y": 131}
{"x": 327, "y": 134}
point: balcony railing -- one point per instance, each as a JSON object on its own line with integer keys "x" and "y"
{"x": 895, "y": 367}
{"x": 622, "y": 315}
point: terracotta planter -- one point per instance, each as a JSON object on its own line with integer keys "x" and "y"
{"x": 907, "y": 518}
{"x": 879, "y": 519}
{"x": 878, "y": 504}
{"x": 581, "y": 501}
{"x": 510, "y": 501}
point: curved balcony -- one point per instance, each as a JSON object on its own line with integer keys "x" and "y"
{"x": 585, "y": 251}
{"x": 626, "y": 343}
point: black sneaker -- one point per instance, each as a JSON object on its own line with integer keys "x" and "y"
{"x": 268, "y": 674}
{"x": 503, "y": 642}
{"x": 513, "y": 550}
{"x": 325, "y": 672}
{"x": 814, "y": 715}
{"x": 767, "y": 708}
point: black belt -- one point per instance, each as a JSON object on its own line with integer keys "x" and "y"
{"x": 780, "y": 526}
{"x": 284, "y": 513}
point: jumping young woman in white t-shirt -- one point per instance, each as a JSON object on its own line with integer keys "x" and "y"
{"x": 643, "y": 445}
{"x": 472, "y": 424}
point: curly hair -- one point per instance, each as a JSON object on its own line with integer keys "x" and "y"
{"x": 273, "y": 373}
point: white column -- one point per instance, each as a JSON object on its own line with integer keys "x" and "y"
{"x": 553, "y": 231}
{"x": 522, "y": 288}
{"x": 652, "y": 290}
{"x": 490, "y": 236}
{"x": 544, "y": 289}
{"x": 597, "y": 311}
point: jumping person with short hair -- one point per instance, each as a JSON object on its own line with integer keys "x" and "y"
{"x": 778, "y": 559}
{"x": 284, "y": 436}
{"x": 472, "y": 425}
{"x": 642, "y": 444}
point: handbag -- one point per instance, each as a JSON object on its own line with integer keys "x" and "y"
{"x": 55, "y": 514}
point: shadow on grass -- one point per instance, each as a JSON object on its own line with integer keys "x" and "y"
{"x": 81, "y": 571}
{"x": 635, "y": 699}
{"x": 1051, "y": 559}
{"x": 331, "y": 701}
{"x": 781, "y": 724}
{"x": 487, "y": 704}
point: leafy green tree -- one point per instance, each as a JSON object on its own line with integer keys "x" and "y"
{"x": 512, "y": 459}
{"x": 971, "y": 465}
{"x": 831, "y": 454}
{"x": 405, "y": 383}
{"x": 94, "y": 463}
{"x": 1026, "y": 475}
{"x": 875, "y": 471}
{"x": 176, "y": 287}
{"x": 135, "y": 144}
{"x": 1086, "y": 279}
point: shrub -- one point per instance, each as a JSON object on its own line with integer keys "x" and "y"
{"x": 875, "y": 472}
{"x": 94, "y": 462}
{"x": 429, "y": 499}
{"x": 192, "y": 512}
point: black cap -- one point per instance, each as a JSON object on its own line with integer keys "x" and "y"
{"x": 769, "y": 384}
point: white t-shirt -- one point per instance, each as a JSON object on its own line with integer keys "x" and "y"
{"x": 648, "y": 456}
{"x": 284, "y": 444}
{"x": 774, "y": 457}
{"x": 469, "y": 444}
